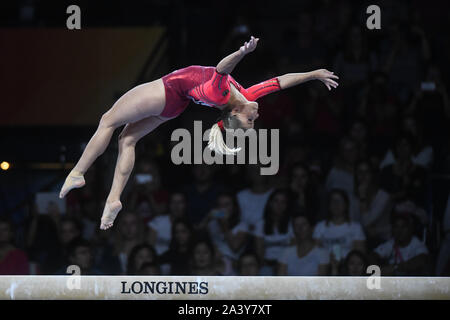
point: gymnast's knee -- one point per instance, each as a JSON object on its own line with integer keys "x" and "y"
{"x": 126, "y": 140}
{"x": 106, "y": 121}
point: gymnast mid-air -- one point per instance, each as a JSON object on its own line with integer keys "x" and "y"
{"x": 145, "y": 107}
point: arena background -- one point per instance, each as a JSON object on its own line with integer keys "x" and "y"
{"x": 56, "y": 84}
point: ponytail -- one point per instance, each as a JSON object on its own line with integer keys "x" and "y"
{"x": 227, "y": 121}
{"x": 216, "y": 141}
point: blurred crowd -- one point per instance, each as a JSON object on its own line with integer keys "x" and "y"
{"x": 355, "y": 185}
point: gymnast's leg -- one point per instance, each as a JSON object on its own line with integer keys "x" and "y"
{"x": 140, "y": 102}
{"x": 124, "y": 165}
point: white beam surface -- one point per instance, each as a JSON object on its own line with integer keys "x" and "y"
{"x": 221, "y": 288}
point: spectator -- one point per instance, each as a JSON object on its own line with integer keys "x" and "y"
{"x": 304, "y": 51}
{"x": 85, "y": 202}
{"x": 404, "y": 56}
{"x": 88, "y": 217}
{"x": 355, "y": 264}
{"x": 431, "y": 105}
{"x": 404, "y": 254}
{"x": 338, "y": 234}
{"x": 228, "y": 234}
{"x": 80, "y": 254}
{"x": 305, "y": 258}
{"x": 422, "y": 153}
{"x": 355, "y": 63}
{"x": 149, "y": 269}
{"x": 418, "y": 214}
{"x": 249, "y": 265}
{"x": 13, "y": 261}
{"x": 69, "y": 230}
{"x": 202, "y": 193}
{"x": 379, "y": 108}
{"x": 253, "y": 200}
{"x": 274, "y": 232}
{"x": 106, "y": 248}
{"x": 306, "y": 197}
{"x": 404, "y": 179}
{"x": 147, "y": 197}
{"x": 325, "y": 114}
{"x": 370, "y": 205}
{"x": 341, "y": 176}
{"x": 359, "y": 133}
{"x": 204, "y": 259}
{"x": 175, "y": 261}
{"x": 129, "y": 234}
{"x": 160, "y": 226}
{"x": 43, "y": 243}
{"x": 140, "y": 255}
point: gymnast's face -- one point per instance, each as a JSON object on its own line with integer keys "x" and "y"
{"x": 247, "y": 113}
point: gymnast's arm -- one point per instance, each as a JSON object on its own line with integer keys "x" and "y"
{"x": 227, "y": 64}
{"x": 286, "y": 81}
{"x": 292, "y": 79}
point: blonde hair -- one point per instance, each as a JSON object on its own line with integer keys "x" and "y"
{"x": 216, "y": 137}
{"x": 217, "y": 143}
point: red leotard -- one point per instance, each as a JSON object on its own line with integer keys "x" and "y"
{"x": 204, "y": 85}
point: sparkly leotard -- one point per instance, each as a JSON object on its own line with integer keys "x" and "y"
{"x": 204, "y": 85}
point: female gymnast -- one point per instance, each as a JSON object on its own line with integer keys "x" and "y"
{"x": 145, "y": 107}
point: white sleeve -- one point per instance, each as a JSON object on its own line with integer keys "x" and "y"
{"x": 318, "y": 231}
{"x": 240, "y": 227}
{"x": 153, "y": 224}
{"x": 377, "y": 207}
{"x": 388, "y": 160}
{"x": 420, "y": 248}
{"x": 425, "y": 157}
{"x": 358, "y": 233}
{"x": 291, "y": 231}
{"x": 214, "y": 231}
{"x": 384, "y": 249}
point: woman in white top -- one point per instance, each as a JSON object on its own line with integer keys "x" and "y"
{"x": 370, "y": 205}
{"x": 226, "y": 231}
{"x": 423, "y": 154}
{"x": 305, "y": 258}
{"x": 159, "y": 228}
{"x": 341, "y": 175}
{"x": 274, "y": 233}
{"x": 338, "y": 234}
{"x": 355, "y": 265}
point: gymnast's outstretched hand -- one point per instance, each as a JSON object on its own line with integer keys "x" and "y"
{"x": 326, "y": 77}
{"x": 249, "y": 46}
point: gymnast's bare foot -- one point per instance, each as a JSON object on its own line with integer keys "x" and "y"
{"x": 109, "y": 214}
{"x": 74, "y": 180}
